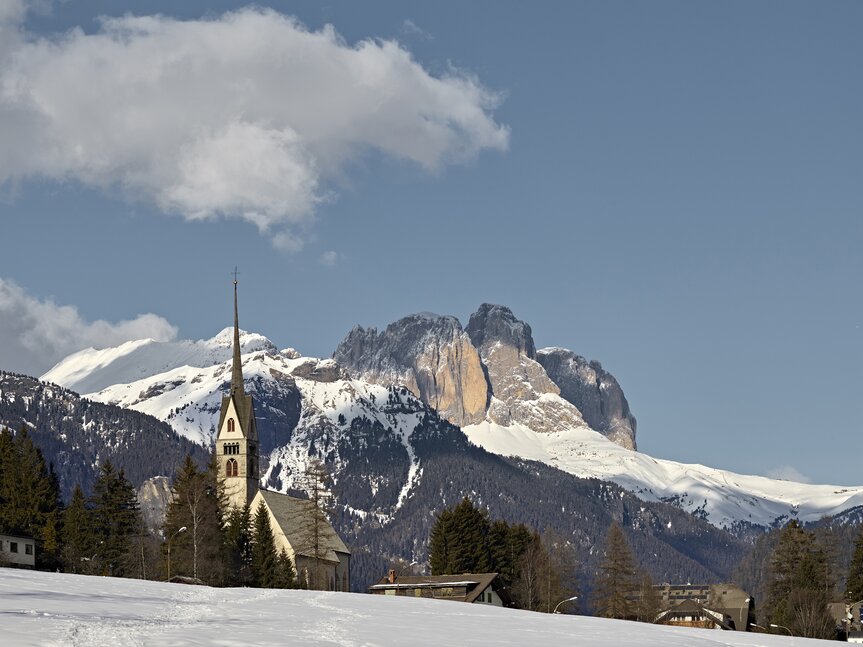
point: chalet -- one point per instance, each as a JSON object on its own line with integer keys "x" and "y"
{"x": 690, "y": 613}
{"x": 726, "y": 601}
{"x": 18, "y": 551}
{"x": 476, "y": 588}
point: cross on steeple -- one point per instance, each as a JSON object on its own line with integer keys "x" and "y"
{"x": 236, "y": 273}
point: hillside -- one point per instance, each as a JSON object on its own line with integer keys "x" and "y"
{"x": 77, "y": 435}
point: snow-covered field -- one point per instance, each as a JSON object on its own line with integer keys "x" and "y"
{"x": 77, "y": 610}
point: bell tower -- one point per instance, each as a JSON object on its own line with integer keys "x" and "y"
{"x": 237, "y": 437}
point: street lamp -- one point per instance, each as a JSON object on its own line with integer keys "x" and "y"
{"x": 782, "y": 627}
{"x": 764, "y": 629}
{"x": 574, "y": 597}
{"x": 183, "y": 529}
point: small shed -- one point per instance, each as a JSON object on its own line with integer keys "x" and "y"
{"x": 18, "y": 551}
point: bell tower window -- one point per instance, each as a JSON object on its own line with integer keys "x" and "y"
{"x": 231, "y": 468}
{"x": 230, "y": 424}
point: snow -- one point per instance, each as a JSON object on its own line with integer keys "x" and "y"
{"x": 52, "y": 609}
{"x": 724, "y": 497}
{"x": 181, "y": 383}
{"x": 93, "y": 370}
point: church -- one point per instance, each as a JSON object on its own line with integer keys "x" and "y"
{"x": 321, "y": 559}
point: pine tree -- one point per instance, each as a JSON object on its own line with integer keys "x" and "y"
{"x": 439, "y": 543}
{"x": 264, "y": 557}
{"x": 238, "y": 546}
{"x": 616, "y": 579}
{"x": 799, "y": 584}
{"x": 77, "y": 534}
{"x": 460, "y": 541}
{"x": 284, "y": 576}
{"x": 116, "y": 522}
{"x": 29, "y": 496}
{"x": 194, "y": 505}
{"x": 854, "y": 581}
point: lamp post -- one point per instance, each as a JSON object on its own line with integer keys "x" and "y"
{"x": 764, "y": 629}
{"x": 782, "y": 627}
{"x": 183, "y": 529}
{"x": 574, "y": 597}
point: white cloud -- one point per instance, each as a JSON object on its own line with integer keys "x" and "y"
{"x": 410, "y": 28}
{"x": 249, "y": 115}
{"x": 329, "y": 258}
{"x": 788, "y": 473}
{"x": 39, "y": 333}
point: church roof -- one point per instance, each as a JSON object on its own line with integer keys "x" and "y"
{"x": 292, "y": 515}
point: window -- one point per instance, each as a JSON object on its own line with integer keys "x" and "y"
{"x": 231, "y": 468}
{"x": 13, "y": 546}
{"x": 28, "y": 549}
{"x": 230, "y": 424}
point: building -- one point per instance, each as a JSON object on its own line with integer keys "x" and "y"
{"x": 17, "y": 551}
{"x": 476, "y": 588}
{"x": 721, "y": 600}
{"x": 690, "y": 613}
{"x": 319, "y": 555}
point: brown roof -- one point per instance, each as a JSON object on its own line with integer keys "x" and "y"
{"x": 292, "y": 515}
{"x": 476, "y": 583}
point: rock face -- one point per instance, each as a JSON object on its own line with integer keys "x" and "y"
{"x": 521, "y": 390}
{"x": 594, "y": 391}
{"x": 429, "y": 354}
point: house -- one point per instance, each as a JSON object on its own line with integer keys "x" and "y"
{"x": 690, "y": 613}
{"x": 321, "y": 559}
{"x": 725, "y": 600}
{"x": 18, "y": 551}
{"x": 476, "y": 588}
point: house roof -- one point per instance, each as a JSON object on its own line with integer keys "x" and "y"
{"x": 292, "y": 516}
{"x": 476, "y": 583}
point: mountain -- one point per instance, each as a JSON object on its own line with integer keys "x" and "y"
{"x": 395, "y": 461}
{"x": 77, "y": 435}
{"x": 547, "y": 405}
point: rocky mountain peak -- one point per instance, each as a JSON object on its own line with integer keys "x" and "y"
{"x": 494, "y": 323}
{"x": 430, "y": 354}
{"x": 594, "y": 391}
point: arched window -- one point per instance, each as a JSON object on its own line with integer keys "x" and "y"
{"x": 231, "y": 467}
{"x": 230, "y": 424}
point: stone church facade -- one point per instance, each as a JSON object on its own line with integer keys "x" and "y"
{"x": 321, "y": 559}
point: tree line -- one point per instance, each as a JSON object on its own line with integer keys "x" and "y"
{"x": 102, "y": 532}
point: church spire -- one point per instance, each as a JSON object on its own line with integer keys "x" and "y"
{"x": 237, "y": 369}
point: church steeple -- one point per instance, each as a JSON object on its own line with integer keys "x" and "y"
{"x": 237, "y": 435}
{"x": 237, "y": 368}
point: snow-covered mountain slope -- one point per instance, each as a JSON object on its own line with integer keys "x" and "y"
{"x": 60, "y": 609}
{"x": 304, "y": 403}
{"x": 723, "y": 498}
{"x": 93, "y": 370}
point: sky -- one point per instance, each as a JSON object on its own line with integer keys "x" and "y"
{"x": 671, "y": 188}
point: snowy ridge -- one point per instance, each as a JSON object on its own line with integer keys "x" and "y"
{"x": 189, "y": 398}
{"x": 187, "y": 395}
{"x": 723, "y": 498}
{"x": 92, "y": 370}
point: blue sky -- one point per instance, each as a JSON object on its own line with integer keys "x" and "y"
{"x": 671, "y": 188}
